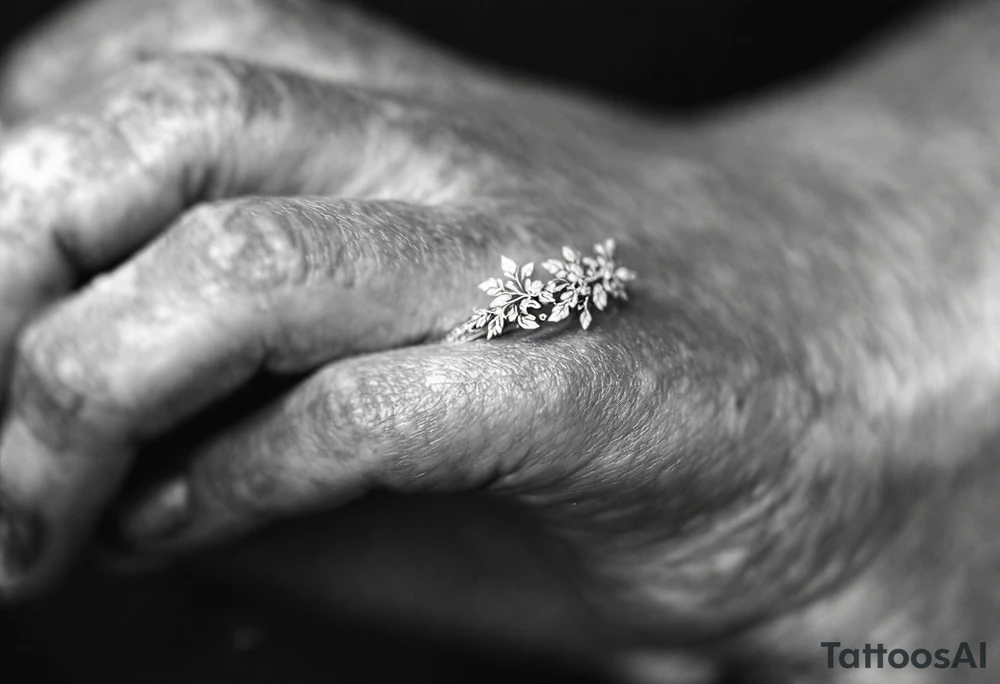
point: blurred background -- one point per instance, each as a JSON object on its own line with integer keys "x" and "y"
{"x": 677, "y": 55}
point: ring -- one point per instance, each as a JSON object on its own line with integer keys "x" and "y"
{"x": 578, "y": 281}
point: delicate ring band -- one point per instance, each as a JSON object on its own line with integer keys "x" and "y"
{"x": 578, "y": 282}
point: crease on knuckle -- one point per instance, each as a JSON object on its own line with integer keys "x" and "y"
{"x": 249, "y": 245}
{"x": 455, "y": 426}
{"x": 392, "y": 425}
{"x": 359, "y": 416}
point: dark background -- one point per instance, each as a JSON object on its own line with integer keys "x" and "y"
{"x": 678, "y": 55}
{"x": 672, "y": 53}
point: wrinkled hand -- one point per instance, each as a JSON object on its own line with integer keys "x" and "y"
{"x": 68, "y": 55}
{"x": 807, "y": 344}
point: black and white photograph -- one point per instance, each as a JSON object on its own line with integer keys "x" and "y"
{"x": 447, "y": 341}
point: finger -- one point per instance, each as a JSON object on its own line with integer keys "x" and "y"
{"x": 621, "y": 447}
{"x": 86, "y": 42}
{"x": 236, "y": 289}
{"x": 82, "y": 191}
{"x": 511, "y": 416}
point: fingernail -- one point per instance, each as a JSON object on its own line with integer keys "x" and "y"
{"x": 20, "y": 543}
{"x": 161, "y": 515}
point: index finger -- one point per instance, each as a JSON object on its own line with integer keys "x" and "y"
{"x": 84, "y": 189}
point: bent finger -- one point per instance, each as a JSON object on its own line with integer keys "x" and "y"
{"x": 82, "y": 45}
{"x": 236, "y": 289}
{"x": 427, "y": 419}
{"x": 83, "y": 190}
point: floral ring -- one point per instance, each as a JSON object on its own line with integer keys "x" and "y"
{"x": 578, "y": 281}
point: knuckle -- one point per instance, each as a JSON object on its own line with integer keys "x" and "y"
{"x": 37, "y": 162}
{"x": 191, "y": 85}
{"x": 41, "y": 165}
{"x": 54, "y": 388}
{"x": 161, "y": 86}
{"x": 397, "y": 421}
{"x": 360, "y": 416}
{"x": 250, "y": 244}
{"x": 225, "y": 482}
{"x": 392, "y": 424}
{"x": 176, "y": 103}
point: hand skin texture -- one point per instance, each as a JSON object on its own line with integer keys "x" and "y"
{"x": 785, "y": 437}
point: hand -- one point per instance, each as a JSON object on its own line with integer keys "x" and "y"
{"x": 738, "y": 446}
{"x": 86, "y": 42}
